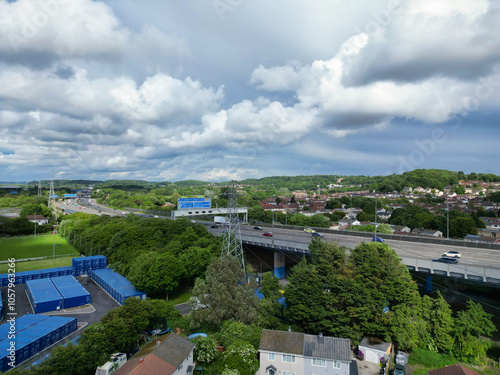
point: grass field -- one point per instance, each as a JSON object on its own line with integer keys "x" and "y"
{"x": 34, "y": 247}
{"x": 40, "y": 264}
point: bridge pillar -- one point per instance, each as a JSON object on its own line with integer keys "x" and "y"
{"x": 279, "y": 265}
{"x": 428, "y": 284}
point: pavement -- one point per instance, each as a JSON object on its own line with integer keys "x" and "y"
{"x": 367, "y": 368}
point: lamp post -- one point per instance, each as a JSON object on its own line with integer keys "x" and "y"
{"x": 375, "y": 215}
{"x": 447, "y": 219}
{"x": 54, "y": 248}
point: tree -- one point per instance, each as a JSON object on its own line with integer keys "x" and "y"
{"x": 165, "y": 274}
{"x": 205, "y": 350}
{"x": 442, "y": 324}
{"x": 270, "y": 286}
{"x": 462, "y": 226}
{"x": 470, "y": 325}
{"x": 222, "y": 295}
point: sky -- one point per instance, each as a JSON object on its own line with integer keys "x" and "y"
{"x": 214, "y": 90}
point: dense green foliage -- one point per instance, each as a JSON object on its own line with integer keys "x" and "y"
{"x": 151, "y": 252}
{"x": 370, "y": 293}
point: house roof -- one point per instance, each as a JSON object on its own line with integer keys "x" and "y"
{"x": 282, "y": 341}
{"x": 327, "y": 347}
{"x": 369, "y": 342}
{"x": 35, "y": 217}
{"x": 308, "y": 345}
{"x": 154, "y": 365}
{"x": 174, "y": 349}
{"x": 457, "y": 369}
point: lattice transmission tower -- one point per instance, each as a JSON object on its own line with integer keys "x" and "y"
{"x": 231, "y": 243}
{"x": 52, "y": 199}
{"x": 39, "y": 188}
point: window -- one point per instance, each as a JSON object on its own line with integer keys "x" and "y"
{"x": 271, "y": 356}
{"x": 288, "y": 373}
{"x": 288, "y": 358}
{"x": 271, "y": 372}
{"x": 319, "y": 362}
{"x": 336, "y": 364}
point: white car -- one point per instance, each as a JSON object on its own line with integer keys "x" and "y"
{"x": 452, "y": 254}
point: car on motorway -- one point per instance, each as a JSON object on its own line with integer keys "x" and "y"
{"x": 446, "y": 260}
{"x": 309, "y": 230}
{"x": 267, "y": 234}
{"x": 377, "y": 239}
{"x": 452, "y": 254}
{"x": 316, "y": 234}
{"x": 257, "y": 228}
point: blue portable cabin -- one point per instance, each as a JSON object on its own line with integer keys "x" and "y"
{"x": 72, "y": 292}
{"x": 4, "y": 279}
{"x": 90, "y": 263}
{"x": 43, "y": 296}
{"x": 22, "y": 323}
{"x": 64, "y": 271}
{"x": 117, "y": 286}
{"x": 45, "y": 331}
{"x": 39, "y": 274}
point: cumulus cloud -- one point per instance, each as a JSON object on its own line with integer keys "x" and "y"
{"x": 158, "y": 98}
{"x": 102, "y": 89}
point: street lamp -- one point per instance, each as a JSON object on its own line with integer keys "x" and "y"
{"x": 447, "y": 219}
{"x": 375, "y": 214}
{"x": 54, "y": 249}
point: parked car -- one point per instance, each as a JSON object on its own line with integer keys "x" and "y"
{"x": 309, "y": 230}
{"x": 214, "y": 226}
{"x": 257, "y": 228}
{"x": 267, "y": 234}
{"x": 452, "y": 254}
{"x": 377, "y": 239}
{"x": 316, "y": 234}
{"x": 446, "y": 260}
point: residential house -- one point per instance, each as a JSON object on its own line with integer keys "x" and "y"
{"x": 384, "y": 215}
{"x": 174, "y": 356}
{"x": 400, "y": 228}
{"x": 294, "y": 353}
{"x": 489, "y": 232}
{"x": 456, "y": 369}
{"x": 39, "y": 219}
{"x": 407, "y": 190}
{"x": 427, "y": 232}
{"x": 489, "y": 239}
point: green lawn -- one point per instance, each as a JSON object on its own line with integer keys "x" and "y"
{"x": 39, "y": 264}
{"x": 175, "y": 299}
{"x": 34, "y": 247}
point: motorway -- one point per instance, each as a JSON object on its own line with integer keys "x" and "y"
{"x": 471, "y": 256}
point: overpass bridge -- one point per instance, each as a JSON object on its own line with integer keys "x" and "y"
{"x": 281, "y": 247}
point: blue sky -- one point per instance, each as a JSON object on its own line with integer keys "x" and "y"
{"x": 231, "y": 89}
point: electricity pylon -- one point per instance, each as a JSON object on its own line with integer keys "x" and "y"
{"x": 231, "y": 243}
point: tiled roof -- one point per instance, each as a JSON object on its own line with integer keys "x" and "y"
{"x": 153, "y": 365}
{"x": 457, "y": 369}
{"x": 282, "y": 342}
{"x": 174, "y": 349}
{"x": 327, "y": 347}
{"x": 307, "y": 345}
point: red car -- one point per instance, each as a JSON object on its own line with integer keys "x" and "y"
{"x": 267, "y": 234}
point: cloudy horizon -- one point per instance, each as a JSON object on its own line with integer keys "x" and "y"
{"x": 216, "y": 90}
